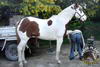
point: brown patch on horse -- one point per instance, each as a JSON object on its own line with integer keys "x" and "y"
{"x": 49, "y": 22}
{"x": 30, "y": 27}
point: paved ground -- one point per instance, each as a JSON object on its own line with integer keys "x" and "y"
{"x": 46, "y": 59}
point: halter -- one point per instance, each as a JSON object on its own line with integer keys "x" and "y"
{"x": 79, "y": 14}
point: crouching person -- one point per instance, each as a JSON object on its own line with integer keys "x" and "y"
{"x": 77, "y": 41}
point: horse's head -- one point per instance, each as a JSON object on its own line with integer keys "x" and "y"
{"x": 79, "y": 12}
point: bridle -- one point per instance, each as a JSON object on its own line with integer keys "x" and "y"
{"x": 79, "y": 14}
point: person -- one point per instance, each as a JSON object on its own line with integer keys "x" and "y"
{"x": 76, "y": 39}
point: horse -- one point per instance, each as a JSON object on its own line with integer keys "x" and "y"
{"x": 52, "y": 28}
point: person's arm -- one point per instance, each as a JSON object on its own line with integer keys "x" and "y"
{"x": 83, "y": 40}
{"x": 68, "y": 35}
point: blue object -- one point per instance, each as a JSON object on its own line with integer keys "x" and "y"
{"x": 76, "y": 41}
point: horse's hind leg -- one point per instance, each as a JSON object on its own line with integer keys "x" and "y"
{"x": 19, "y": 48}
{"x": 20, "y": 52}
{"x": 23, "y": 55}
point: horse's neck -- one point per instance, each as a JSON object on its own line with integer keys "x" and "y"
{"x": 66, "y": 15}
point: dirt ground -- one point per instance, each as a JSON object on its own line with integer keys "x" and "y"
{"x": 47, "y": 59}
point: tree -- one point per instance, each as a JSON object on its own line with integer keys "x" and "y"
{"x": 39, "y": 8}
{"x": 92, "y": 7}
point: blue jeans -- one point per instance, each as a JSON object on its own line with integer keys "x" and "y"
{"x": 76, "y": 41}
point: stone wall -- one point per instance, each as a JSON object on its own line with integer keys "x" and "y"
{"x": 13, "y": 20}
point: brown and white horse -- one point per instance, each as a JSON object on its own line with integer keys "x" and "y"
{"x": 52, "y": 28}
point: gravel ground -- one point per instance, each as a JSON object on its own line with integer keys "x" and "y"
{"x": 45, "y": 59}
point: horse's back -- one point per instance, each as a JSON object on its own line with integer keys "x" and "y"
{"x": 35, "y": 27}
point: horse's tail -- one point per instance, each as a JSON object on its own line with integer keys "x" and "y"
{"x": 18, "y": 38}
{"x": 17, "y": 23}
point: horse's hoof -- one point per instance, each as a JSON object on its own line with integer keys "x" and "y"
{"x": 24, "y": 61}
{"x": 21, "y": 64}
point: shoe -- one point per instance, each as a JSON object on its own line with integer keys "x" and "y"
{"x": 71, "y": 58}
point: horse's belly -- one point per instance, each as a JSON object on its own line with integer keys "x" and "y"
{"x": 47, "y": 35}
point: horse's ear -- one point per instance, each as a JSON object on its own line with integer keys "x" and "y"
{"x": 76, "y": 5}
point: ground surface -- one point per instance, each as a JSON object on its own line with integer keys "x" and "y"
{"x": 46, "y": 59}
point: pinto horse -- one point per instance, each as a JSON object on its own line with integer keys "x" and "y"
{"x": 52, "y": 28}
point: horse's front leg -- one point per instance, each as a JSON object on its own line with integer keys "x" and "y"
{"x": 59, "y": 43}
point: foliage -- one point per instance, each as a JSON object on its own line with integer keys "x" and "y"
{"x": 2, "y": 3}
{"x": 45, "y": 8}
{"x": 63, "y": 3}
{"x": 92, "y": 28}
{"x": 9, "y": 7}
{"x": 41, "y": 8}
{"x": 92, "y": 6}
{"x": 88, "y": 28}
{"x": 38, "y": 8}
{"x": 74, "y": 25}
